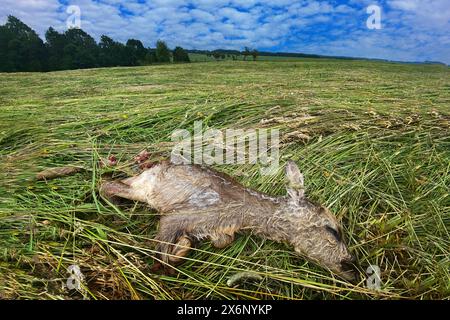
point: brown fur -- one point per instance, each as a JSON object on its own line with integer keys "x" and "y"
{"x": 199, "y": 203}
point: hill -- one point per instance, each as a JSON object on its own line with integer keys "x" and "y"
{"x": 372, "y": 139}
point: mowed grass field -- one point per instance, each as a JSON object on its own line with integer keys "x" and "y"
{"x": 372, "y": 139}
{"x": 199, "y": 57}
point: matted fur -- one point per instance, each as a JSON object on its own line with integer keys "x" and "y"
{"x": 199, "y": 203}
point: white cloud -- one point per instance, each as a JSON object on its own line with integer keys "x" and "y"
{"x": 202, "y": 15}
{"x": 38, "y": 14}
{"x": 412, "y": 29}
{"x": 425, "y": 14}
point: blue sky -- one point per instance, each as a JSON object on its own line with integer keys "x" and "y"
{"x": 411, "y": 30}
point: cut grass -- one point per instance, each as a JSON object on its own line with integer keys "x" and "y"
{"x": 377, "y": 153}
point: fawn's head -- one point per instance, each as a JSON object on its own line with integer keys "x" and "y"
{"x": 316, "y": 232}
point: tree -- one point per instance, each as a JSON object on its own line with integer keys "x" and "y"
{"x": 180, "y": 55}
{"x": 150, "y": 57}
{"x": 246, "y": 52}
{"x": 110, "y": 52}
{"x": 255, "y": 54}
{"x": 5, "y": 38}
{"x": 21, "y": 49}
{"x": 81, "y": 49}
{"x": 217, "y": 55}
{"x": 70, "y": 55}
{"x": 137, "y": 51}
{"x": 162, "y": 52}
{"x": 55, "y": 43}
{"x": 73, "y": 49}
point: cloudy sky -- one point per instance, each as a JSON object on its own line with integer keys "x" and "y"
{"x": 411, "y": 30}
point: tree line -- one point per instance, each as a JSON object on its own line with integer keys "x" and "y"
{"x": 233, "y": 54}
{"x": 21, "y": 49}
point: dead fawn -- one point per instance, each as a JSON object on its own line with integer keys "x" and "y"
{"x": 198, "y": 203}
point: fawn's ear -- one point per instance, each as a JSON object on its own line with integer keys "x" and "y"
{"x": 295, "y": 185}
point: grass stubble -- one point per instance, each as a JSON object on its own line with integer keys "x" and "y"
{"x": 372, "y": 139}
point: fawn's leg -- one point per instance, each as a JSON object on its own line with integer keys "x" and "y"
{"x": 173, "y": 245}
{"x": 113, "y": 189}
{"x": 172, "y": 255}
{"x": 222, "y": 240}
{"x": 180, "y": 249}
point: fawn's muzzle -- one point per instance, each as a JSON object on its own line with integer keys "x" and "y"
{"x": 349, "y": 268}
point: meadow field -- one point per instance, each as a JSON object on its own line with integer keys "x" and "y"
{"x": 372, "y": 139}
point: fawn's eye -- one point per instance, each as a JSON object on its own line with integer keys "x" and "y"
{"x": 334, "y": 232}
